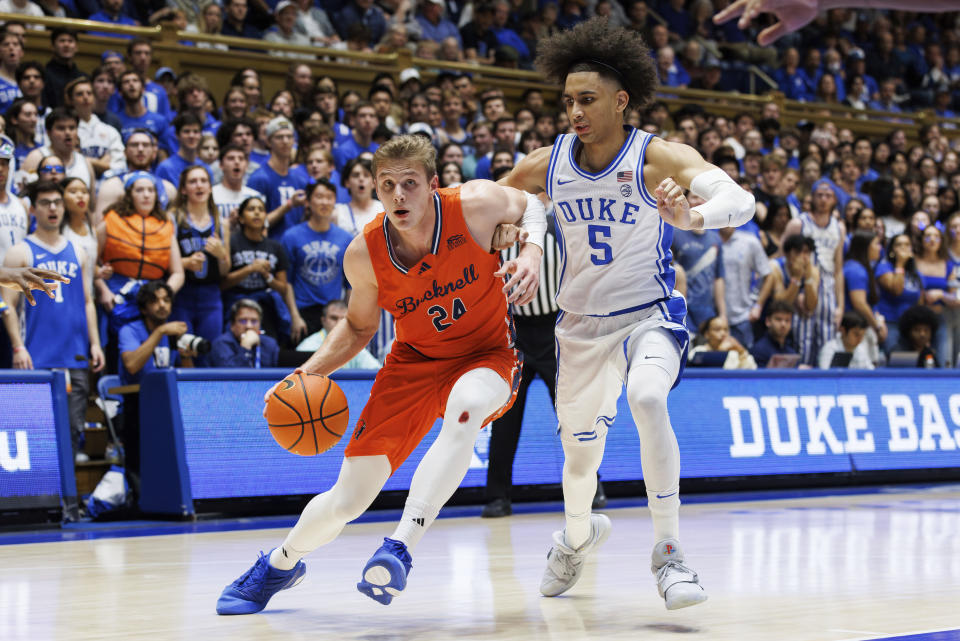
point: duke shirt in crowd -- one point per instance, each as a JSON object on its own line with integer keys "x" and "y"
{"x": 316, "y": 263}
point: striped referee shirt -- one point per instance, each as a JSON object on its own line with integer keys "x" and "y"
{"x": 545, "y": 302}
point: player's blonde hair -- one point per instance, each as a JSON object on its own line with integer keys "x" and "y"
{"x": 414, "y": 147}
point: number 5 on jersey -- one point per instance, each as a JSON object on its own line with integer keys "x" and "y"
{"x": 606, "y": 252}
{"x": 439, "y": 314}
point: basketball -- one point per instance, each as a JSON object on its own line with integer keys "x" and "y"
{"x": 307, "y": 414}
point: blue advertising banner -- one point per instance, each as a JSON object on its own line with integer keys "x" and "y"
{"x": 33, "y": 472}
{"x": 727, "y": 424}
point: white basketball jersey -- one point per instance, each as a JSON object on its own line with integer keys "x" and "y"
{"x": 615, "y": 247}
{"x": 826, "y": 240}
{"x": 13, "y": 224}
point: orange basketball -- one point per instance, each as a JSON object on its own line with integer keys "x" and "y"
{"x": 307, "y": 414}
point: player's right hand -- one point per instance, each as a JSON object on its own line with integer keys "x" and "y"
{"x": 672, "y": 204}
{"x": 791, "y": 14}
{"x": 29, "y": 278}
{"x": 506, "y": 235}
{"x": 273, "y": 388}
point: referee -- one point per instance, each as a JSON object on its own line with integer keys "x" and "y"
{"x": 534, "y": 324}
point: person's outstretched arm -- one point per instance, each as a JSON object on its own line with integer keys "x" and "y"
{"x": 795, "y": 14}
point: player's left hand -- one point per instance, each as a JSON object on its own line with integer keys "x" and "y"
{"x": 524, "y": 278}
{"x": 673, "y": 207}
{"x": 505, "y": 235}
{"x": 96, "y": 358}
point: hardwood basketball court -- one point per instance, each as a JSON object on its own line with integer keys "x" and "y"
{"x": 875, "y": 565}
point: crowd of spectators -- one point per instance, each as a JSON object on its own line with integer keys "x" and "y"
{"x": 236, "y": 210}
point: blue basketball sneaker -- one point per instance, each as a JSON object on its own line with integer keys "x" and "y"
{"x": 253, "y": 589}
{"x": 385, "y": 574}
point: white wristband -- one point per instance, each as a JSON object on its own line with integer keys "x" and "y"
{"x": 534, "y": 221}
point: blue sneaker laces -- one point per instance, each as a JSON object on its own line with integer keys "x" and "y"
{"x": 399, "y": 550}
{"x": 251, "y": 583}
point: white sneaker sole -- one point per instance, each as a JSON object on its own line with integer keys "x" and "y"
{"x": 683, "y": 597}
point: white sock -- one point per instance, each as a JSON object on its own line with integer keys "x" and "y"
{"x": 285, "y": 557}
{"x": 577, "y": 530}
{"x": 665, "y": 512}
{"x": 417, "y": 517}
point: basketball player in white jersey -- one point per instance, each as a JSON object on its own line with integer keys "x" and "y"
{"x": 618, "y": 193}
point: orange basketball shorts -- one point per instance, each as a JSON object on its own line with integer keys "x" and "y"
{"x": 410, "y": 393}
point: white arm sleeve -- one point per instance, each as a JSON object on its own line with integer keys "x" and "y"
{"x": 728, "y": 204}
{"x": 534, "y": 220}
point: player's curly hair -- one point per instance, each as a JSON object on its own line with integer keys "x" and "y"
{"x": 614, "y": 52}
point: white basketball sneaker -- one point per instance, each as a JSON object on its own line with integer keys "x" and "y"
{"x": 678, "y": 584}
{"x": 564, "y": 564}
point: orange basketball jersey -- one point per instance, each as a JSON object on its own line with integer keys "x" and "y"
{"x": 449, "y": 304}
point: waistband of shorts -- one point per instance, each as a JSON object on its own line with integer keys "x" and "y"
{"x": 628, "y": 310}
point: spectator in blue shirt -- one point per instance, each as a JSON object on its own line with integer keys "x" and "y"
{"x": 11, "y": 55}
{"x": 155, "y": 99}
{"x": 111, "y": 11}
{"x": 885, "y": 101}
{"x": 243, "y": 344}
{"x": 671, "y": 72}
{"x": 145, "y": 344}
{"x": 365, "y": 122}
{"x": 316, "y": 249}
{"x": 275, "y": 179}
{"x": 810, "y": 74}
{"x": 700, "y": 254}
{"x": 777, "y": 339}
{"x": 788, "y": 77}
{"x": 900, "y": 285}
{"x": 187, "y": 127}
{"x": 366, "y": 13}
{"x": 506, "y": 36}
{"x": 433, "y": 26}
{"x": 135, "y": 114}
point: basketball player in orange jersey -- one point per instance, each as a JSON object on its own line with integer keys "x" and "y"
{"x": 426, "y": 260}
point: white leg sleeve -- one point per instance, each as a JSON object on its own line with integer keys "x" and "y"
{"x": 361, "y": 479}
{"x": 475, "y": 396}
{"x": 580, "y": 464}
{"x": 648, "y": 383}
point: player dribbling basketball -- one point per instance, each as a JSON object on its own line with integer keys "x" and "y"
{"x": 426, "y": 260}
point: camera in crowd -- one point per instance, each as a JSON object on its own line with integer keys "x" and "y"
{"x": 194, "y": 343}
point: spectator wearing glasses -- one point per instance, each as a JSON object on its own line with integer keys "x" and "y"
{"x": 901, "y": 285}
{"x": 244, "y": 344}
